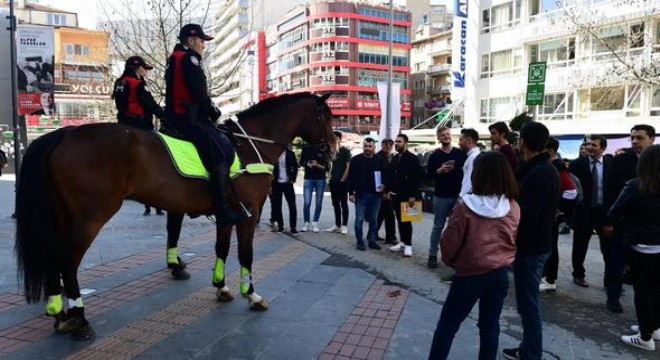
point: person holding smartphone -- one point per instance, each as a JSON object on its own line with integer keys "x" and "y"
{"x": 445, "y": 169}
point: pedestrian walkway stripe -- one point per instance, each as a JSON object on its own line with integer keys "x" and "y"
{"x": 40, "y": 327}
{"x": 367, "y": 331}
{"x": 9, "y": 301}
{"x": 133, "y": 339}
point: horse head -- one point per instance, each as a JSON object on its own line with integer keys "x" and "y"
{"x": 318, "y": 130}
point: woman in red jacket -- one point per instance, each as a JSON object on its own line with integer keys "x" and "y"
{"x": 479, "y": 244}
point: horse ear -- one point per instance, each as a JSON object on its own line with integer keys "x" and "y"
{"x": 325, "y": 97}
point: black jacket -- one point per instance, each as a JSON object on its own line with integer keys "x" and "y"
{"x": 361, "y": 173}
{"x": 624, "y": 169}
{"x": 638, "y": 213}
{"x": 581, "y": 168}
{"x": 539, "y": 200}
{"x": 404, "y": 175}
{"x": 291, "y": 167}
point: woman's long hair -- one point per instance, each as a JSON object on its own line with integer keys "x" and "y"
{"x": 648, "y": 171}
{"x": 492, "y": 175}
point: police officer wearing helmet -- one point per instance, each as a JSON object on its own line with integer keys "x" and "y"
{"x": 190, "y": 111}
{"x": 135, "y": 105}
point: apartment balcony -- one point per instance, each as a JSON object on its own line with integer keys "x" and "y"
{"x": 436, "y": 90}
{"x": 558, "y": 23}
{"x": 438, "y": 69}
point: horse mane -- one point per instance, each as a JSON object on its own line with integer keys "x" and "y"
{"x": 271, "y": 104}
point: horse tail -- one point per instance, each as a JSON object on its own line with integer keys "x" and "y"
{"x": 36, "y": 217}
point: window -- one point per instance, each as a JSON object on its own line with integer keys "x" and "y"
{"x": 655, "y": 101}
{"x": 77, "y": 49}
{"x": 56, "y": 19}
{"x": 617, "y": 39}
{"x": 559, "y": 106}
{"x": 501, "y": 63}
{"x": 501, "y": 17}
{"x": 380, "y": 32}
{"x": 557, "y": 53}
{"x": 382, "y": 14}
{"x": 601, "y": 99}
{"x": 499, "y": 109}
{"x": 371, "y": 77}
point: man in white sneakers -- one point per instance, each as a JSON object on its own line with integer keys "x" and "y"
{"x": 403, "y": 177}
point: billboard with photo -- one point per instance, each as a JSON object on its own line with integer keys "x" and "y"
{"x": 35, "y": 55}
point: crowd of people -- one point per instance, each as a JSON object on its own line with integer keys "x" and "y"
{"x": 522, "y": 195}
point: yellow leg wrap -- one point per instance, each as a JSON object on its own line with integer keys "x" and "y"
{"x": 172, "y": 255}
{"x": 54, "y": 305}
{"x": 219, "y": 271}
{"x": 246, "y": 278}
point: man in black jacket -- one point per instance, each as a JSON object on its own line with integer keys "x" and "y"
{"x": 365, "y": 187}
{"x": 284, "y": 175}
{"x": 403, "y": 177}
{"x": 539, "y": 200}
{"x": 593, "y": 172}
{"x": 624, "y": 168}
{"x": 386, "y": 209}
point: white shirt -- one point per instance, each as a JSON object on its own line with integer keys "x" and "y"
{"x": 466, "y": 185}
{"x": 282, "y": 178}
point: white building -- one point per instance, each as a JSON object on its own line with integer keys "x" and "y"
{"x": 590, "y": 83}
{"x": 236, "y": 27}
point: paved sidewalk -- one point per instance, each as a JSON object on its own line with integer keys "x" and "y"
{"x": 327, "y": 300}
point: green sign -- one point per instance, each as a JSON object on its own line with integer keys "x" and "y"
{"x": 536, "y": 83}
{"x": 535, "y": 94}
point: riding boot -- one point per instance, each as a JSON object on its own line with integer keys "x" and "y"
{"x": 224, "y": 215}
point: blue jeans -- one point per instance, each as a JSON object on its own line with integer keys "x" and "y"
{"x": 490, "y": 289}
{"x": 527, "y": 269}
{"x": 442, "y": 207}
{"x": 366, "y": 207}
{"x": 310, "y": 186}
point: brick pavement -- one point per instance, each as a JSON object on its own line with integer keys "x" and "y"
{"x": 577, "y": 326}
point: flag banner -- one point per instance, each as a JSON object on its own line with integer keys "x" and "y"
{"x": 395, "y": 108}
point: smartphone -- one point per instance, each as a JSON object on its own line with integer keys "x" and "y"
{"x": 449, "y": 162}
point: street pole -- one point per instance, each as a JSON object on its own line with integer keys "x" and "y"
{"x": 14, "y": 94}
{"x": 388, "y": 120}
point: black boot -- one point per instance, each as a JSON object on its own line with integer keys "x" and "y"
{"x": 224, "y": 215}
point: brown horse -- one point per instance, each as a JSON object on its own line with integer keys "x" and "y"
{"x": 74, "y": 180}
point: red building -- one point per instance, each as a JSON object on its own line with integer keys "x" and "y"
{"x": 342, "y": 47}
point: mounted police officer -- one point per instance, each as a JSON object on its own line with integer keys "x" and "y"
{"x": 135, "y": 105}
{"x": 190, "y": 111}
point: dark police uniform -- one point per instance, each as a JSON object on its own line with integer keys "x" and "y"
{"x": 190, "y": 111}
{"x": 135, "y": 105}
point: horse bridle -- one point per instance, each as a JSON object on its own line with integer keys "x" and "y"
{"x": 323, "y": 144}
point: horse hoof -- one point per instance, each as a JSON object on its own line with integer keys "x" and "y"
{"x": 84, "y": 333}
{"x": 181, "y": 274}
{"x": 259, "y": 305}
{"x": 70, "y": 325}
{"x": 224, "y": 296}
{"x": 60, "y": 320}
{"x": 180, "y": 266}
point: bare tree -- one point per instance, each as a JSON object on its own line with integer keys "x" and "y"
{"x": 151, "y": 31}
{"x": 615, "y": 41}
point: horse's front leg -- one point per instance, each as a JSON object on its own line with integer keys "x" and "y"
{"x": 174, "y": 262}
{"x": 245, "y": 235}
{"x": 222, "y": 244}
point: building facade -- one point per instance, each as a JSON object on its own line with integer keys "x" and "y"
{"x": 430, "y": 58}
{"x": 83, "y": 79}
{"x": 601, "y": 60}
{"x": 342, "y": 47}
{"x": 237, "y": 27}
